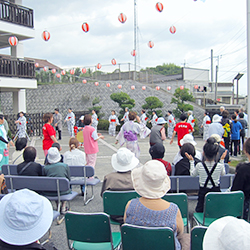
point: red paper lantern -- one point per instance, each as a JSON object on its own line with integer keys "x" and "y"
{"x": 84, "y": 70}
{"x": 13, "y": 41}
{"x": 181, "y": 87}
{"x": 85, "y": 27}
{"x": 96, "y": 83}
{"x": 196, "y": 86}
{"x": 98, "y": 66}
{"x": 108, "y": 84}
{"x": 63, "y": 72}
{"x": 157, "y": 88}
{"x": 53, "y": 71}
{"x": 133, "y": 52}
{"x": 150, "y": 44}
{"x": 218, "y": 99}
{"x": 159, "y": 7}
{"x": 132, "y": 87}
{"x": 113, "y": 61}
{"x": 72, "y": 72}
{"x": 45, "y": 69}
{"x": 172, "y": 29}
{"x": 84, "y": 81}
{"x": 143, "y": 87}
{"x": 36, "y": 65}
{"x": 169, "y": 88}
{"x": 122, "y": 18}
{"x": 46, "y": 36}
{"x": 119, "y": 86}
{"x": 58, "y": 75}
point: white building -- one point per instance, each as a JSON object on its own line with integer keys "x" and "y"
{"x": 16, "y": 73}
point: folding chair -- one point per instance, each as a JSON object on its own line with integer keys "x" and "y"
{"x": 197, "y": 235}
{"x": 218, "y": 205}
{"x": 9, "y": 169}
{"x": 86, "y": 231}
{"x": 181, "y": 200}
{"x": 114, "y": 202}
{"x": 147, "y": 238}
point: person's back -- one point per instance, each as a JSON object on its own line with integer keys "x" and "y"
{"x": 17, "y": 156}
{"x": 236, "y": 130}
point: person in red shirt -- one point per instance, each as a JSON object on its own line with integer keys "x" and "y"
{"x": 49, "y": 133}
{"x": 182, "y": 128}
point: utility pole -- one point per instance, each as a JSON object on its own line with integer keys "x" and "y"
{"x": 216, "y": 82}
{"x": 248, "y": 62}
{"x": 135, "y": 35}
{"x": 212, "y": 69}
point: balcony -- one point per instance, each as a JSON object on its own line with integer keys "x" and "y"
{"x": 15, "y": 67}
{"x": 16, "y": 14}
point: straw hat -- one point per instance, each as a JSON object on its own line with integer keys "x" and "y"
{"x": 216, "y": 137}
{"x": 151, "y": 180}
{"x": 188, "y": 139}
{"x": 53, "y": 155}
{"x": 25, "y": 217}
{"x": 124, "y": 160}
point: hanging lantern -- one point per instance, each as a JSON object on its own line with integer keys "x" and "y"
{"x": 157, "y": 88}
{"x": 58, "y": 75}
{"x": 85, "y": 27}
{"x": 63, "y": 72}
{"x": 172, "y": 29}
{"x": 150, "y": 44}
{"x": 72, "y": 72}
{"x": 84, "y": 81}
{"x": 45, "y": 68}
{"x": 108, "y": 85}
{"x": 53, "y": 71}
{"x": 46, "y": 36}
{"x": 36, "y": 65}
{"x": 98, "y": 65}
{"x": 84, "y": 70}
{"x": 196, "y": 86}
{"x": 182, "y": 87}
{"x": 218, "y": 99}
{"x": 169, "y": 88}
{"x": 113, "y": 61}
{"x": 143, "y": 87}
{"x": 132, "y": 87}
{"x": 133, "y": 52}
{"x": 96, "y": 83}
{"x": 159, "y": 7}
{"x": 122, "y": 18}
{"x": 13, "y": 41}
{"x": 119, "y": 86}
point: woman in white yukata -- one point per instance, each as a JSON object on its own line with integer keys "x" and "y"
{"x": 125, "y": 117}
{"x": 21, "y": 125}
{"x": 171, "y": 124}
{"x": 205, "y": 125}
{"x": 129, "y": 132}
{"x": 70, "y": 119}
{"x": 154, "y": 119}
{"x": 94, "y": 119}
{"x": 143, "y": 117}
{"x": 113, "y": 122}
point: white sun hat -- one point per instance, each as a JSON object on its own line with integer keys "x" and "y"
{"x": 188, "y": 139}
{"x": 161, "y": 120}
{"x": 217, "y": 118}
{"x": 25, "y": 217}
{"x": 53, "y": 155}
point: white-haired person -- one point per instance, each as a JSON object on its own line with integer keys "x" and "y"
{"x": 190, "y": 119}
{"x": 216, "y": 126}
{"x": 151, "y": 182}
{"x": 25, "y": 218}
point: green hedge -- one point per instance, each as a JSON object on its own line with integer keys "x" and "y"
{"x": 103, "y": 125}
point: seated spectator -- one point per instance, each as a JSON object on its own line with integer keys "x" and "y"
{"x": 74, "y": 157}
{"x": 182, "y": 167}
{"x": 55, "y": 168}
{"x": 157, "y": 152}
{"x": 221, "y": 148}
{"x": 29, "y": 167}
{"x": 187, "y": 139}
{"x": 17, "y": 156}
{"x": 120, "y": 180}
{"x": 25, "y": 217}
{"x": 227, "y": 233}
{"x": 55, "y": 145}
{"x": 151, "y": 182}
{"x": 241, "y": 180}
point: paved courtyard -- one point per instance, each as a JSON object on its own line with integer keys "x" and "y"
{"x": 107, "y": 147}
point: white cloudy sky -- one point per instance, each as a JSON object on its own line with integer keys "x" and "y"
{"x": 214, "y": 24}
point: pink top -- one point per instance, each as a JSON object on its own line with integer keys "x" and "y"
{"x": 90, "y": 145}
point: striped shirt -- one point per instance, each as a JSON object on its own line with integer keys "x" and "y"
{"x": 200, "y": 170}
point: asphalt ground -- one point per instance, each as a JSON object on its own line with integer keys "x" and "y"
{"x": 107, "y": 148}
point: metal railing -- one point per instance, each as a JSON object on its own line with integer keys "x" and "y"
{"x": 15, "y": 67}
{"x": 16, "y": 14}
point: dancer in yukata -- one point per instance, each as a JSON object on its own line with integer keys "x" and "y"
{"x": 70, "y": 119}
{"x": 113, "y": 122}
{"x": 129, "y": 132}
{"x": 205, "y": 125}
{"x": 191, "y": 118}
{"x": 125, "y": 117}
{"x": 94, "y": 120}
{"x": 154, "y": 119}
{"x": 21, "y": 125}
{"x": 143, "y": 117}
{"x": 171, "y": 124}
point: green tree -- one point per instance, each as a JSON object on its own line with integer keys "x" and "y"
{"x": 152, "y": 103}
{"x": 180, "y": 97}
{"x": 96, "y": 108}
{"x": 166, "y": 69}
